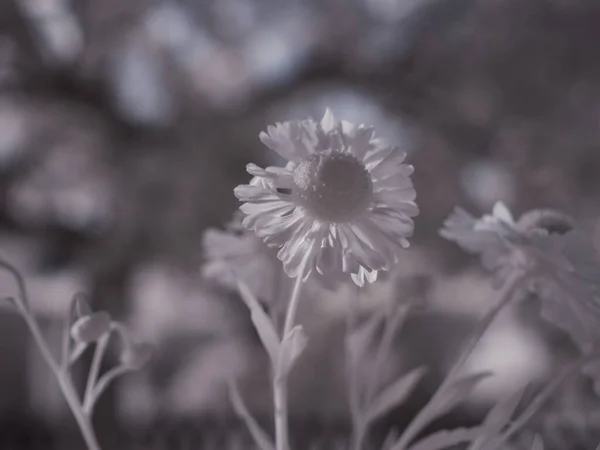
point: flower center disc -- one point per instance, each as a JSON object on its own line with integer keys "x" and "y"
{"x": 334, "y": 187}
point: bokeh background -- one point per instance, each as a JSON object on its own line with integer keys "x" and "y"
{"x": 125, "y": 125}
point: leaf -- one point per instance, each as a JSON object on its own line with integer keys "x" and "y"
{"x": 456, "y": 393}
{"x": 261, "y": 438}
{"x": 291, "y": 348}
{"x": 498, "y": 417}
{"x": 395, "y": 394}
{"x": 262, "y": 322}
{"x": 538, "y": 443}
{"x": 450, "y": 394}
{"x": 359, "y": 341}
{"x": 447, "y": 438}
{"x": 360, "y": 338}
{"x": 390, "y": 439}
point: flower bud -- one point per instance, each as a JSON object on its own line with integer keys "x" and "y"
{"x": 90, "y": 328}
{"x": 136, "y": 355}
{"x": 547, "y": 220}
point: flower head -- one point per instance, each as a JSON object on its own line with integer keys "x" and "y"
{"x": 236, "y": 252}
{"x": 504, "y": 244}
{"x": 490, "y": 237}
{"x": 565, "y": 265}
{"x": 344, "y": 196}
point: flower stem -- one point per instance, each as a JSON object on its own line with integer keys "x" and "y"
{"x": 280, "y": 387}
{"x": 422, "y": 419}
{"x": 546, "y": 393}
{"x": 64, "y": 382}
{"x": 88, "y": 398}
{"x": 62, "y": 376}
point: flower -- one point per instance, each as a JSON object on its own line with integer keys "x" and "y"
{"x": 237, "y": 252}
{"x": 503, "y": 244}
{"x": 489, "y": 237}
{"x": 564, "y": 267}
{"x": 344, "y": 196}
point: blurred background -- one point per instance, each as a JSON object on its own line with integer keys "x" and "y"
{"x": 125, "y": 125}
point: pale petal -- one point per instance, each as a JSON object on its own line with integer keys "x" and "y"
{"x": 378, "y": 167}
{"x": 399, "y": 198}
{"x": 249, "y": 193}
{"x": 503, "y": 213}
{"x": 364, "y": 275}
{"x": 360, "y": 141}
{"x": 328, "y": 122}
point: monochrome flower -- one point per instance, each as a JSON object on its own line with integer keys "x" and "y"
{"x": 344, "y": 196}
{"x": 491, "y": 237}
{"x": 236, "y": 252}
{"x": 545, "y": 243}
{"x": 502, "y": 243}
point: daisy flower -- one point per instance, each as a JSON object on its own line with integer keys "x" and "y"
{"x": 236, "y": 252}
{"x": 503, "y": 243}
{"x": 565, "y": 265}
{"x": 345, "y": 196}
{"x": 490, "y": 237}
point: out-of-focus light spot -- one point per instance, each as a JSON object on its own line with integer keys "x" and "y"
{"x": 277, "y": 51}
{"x": 62, "y": 36}
{"x": 270, "y": 58}
{"x": 58, "y": 32}
{"x": 514, "y": 355}
{"x": 85, "y": 207}
{"x": 486, "y": 182}
{"x": 235, "y": 17}
{"x": 139, "y": 84}
{"x": 392, "y": 10}
{"x": 69, "y": 187}
{"x": 169, "y": 26}
{"x": 217, "y": 73}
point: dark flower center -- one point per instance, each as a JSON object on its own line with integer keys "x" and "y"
{"x": 333, "y": 186}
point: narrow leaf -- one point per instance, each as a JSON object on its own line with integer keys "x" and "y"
{"x": 358, "y": 342}
{"x": 360, "y": 338}
{"x": 390, "y": 439}
{"x": 457, "y": 392}
{"x": 262, "y": 322}
{"x": 261, "y": 438}
{"x": 447, "y": 438}
{"x": 444, "y": 400}
{"x": 291, "y": 348}
{"x": 503, "y": 410}
{"x": 498, "y": 418}
{"x": 538, "y": 443}
{"x": 395, "y": 394}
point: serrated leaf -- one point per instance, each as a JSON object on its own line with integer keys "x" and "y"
{"x": 261, "y": 438}
{"x": 291, "y": 348}
{"x": 262, "y": 322}
{"x": 395, "y": 394}
{"x": 447, "y": 438}
{"x": 498, "y": 417}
